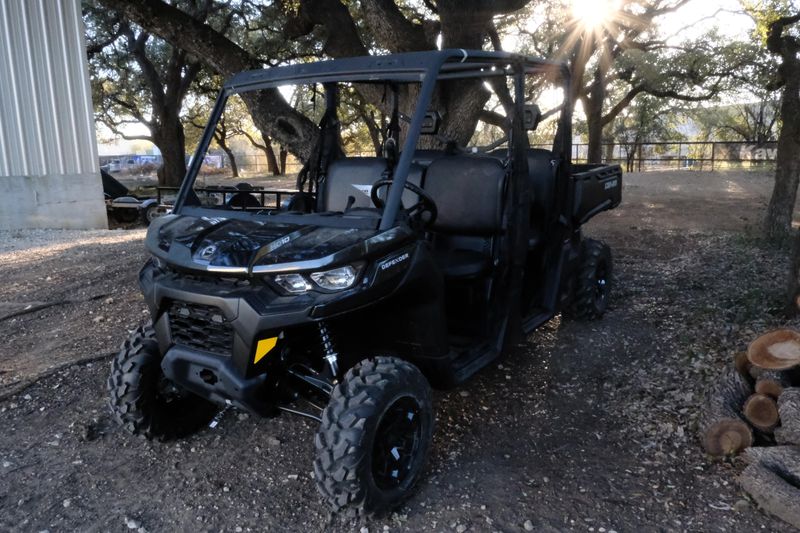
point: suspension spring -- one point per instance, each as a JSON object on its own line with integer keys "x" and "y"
{"x": 327, "y": 345}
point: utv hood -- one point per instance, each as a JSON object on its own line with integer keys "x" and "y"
{"x": 236, "y": 246}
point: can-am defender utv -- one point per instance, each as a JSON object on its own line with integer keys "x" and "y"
{"x": 380, "y": 277}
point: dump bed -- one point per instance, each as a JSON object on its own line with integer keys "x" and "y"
{"x": 597, "y": 188}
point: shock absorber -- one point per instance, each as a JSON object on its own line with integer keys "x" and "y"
{"x": 327, "y": 345}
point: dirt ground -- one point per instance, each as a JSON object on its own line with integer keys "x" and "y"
{"x": 586, "y": 427}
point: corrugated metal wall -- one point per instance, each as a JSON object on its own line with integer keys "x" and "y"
{"x": 46, "y": 120}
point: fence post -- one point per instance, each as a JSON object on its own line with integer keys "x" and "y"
{"x": 713, "y": 150}
{"x": 640, "y": 157}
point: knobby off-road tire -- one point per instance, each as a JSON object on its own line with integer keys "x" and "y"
{"x": 593, "y": 285}
{"x": 374, "y": 437}
{"x": 143, "y": 401}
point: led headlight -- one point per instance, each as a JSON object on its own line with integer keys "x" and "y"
{"x": 336, "y": 279}
{"x": 294, "y": 283}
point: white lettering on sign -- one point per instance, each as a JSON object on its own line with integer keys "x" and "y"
{"x": 611, "y": 184}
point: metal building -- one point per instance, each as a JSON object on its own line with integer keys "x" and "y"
{"x": 49, "y": 170}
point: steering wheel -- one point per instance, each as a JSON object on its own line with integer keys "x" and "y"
{"x": 425, "y": 204}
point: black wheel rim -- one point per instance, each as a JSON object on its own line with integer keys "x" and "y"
{"x": 601, "y": 284}
{"x": 397, "y": 443}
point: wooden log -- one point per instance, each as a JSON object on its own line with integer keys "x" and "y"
{"x": 742, "y": 365}
{"x": 782, "y": 459}
{"x": 761, "y": 411}
{"x": 789, "y": 411}
{"x": 772, "y": 382}
{"x": 773, "y": 492}
{"x": 776, "y": 350}
{"x": 723, "y": 430}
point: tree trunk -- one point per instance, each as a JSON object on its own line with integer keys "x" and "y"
{"x": 283, "y": 154}
{"x": 272, "y": 161}
{"x": 594, "y": 122}
{"x": 170, "y": 140}
{"x": 231, "y": 159}
{"x": 722, "y": 430}
{"x": 787, "y": 172}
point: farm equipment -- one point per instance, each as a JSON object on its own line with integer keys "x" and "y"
{"x": 377, "y": 279}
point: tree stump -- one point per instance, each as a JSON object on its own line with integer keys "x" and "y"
{"x": 723, "y": 431}
{"x": 789, "y": 410}
{"x": 772, "y": 383}
{"x": 762, "y": 412}
{"x": 773, "y": 480}
{"x": 776, "y": 350}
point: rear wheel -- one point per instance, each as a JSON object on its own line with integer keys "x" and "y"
{"x": 149, "y": 214}
{"x": 374, "y": 437}
{"x": 141, "y": 398}
{"x": 593, "y": 285}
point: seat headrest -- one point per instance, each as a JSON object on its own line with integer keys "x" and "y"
{"x": 468, "y": 192}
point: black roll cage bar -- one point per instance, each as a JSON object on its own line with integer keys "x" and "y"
{"x": 413, "y": 67}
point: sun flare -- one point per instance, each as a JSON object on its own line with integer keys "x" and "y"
{"x": 594, "y": 13}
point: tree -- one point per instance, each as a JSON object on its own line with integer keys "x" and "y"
{"x": 782, "y": 40}
{"x": 330, "y": 27}
{"x": 616, "y": 59}
{"x": 140, "y": 79}
{"x": 647, "y": 119}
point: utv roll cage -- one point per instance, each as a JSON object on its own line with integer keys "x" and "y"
{"x": 426, "y": 68}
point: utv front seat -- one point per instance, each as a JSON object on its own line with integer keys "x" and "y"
{"x": 353, "y": 177}
{"x": 468, "y": 192}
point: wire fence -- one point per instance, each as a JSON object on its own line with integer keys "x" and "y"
{"x": 642, "y": 157}
{"x": 633, "y": 157}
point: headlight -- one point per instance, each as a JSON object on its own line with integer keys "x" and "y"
{"x": 336, "y": 279}
{"x": 294, "y": 283}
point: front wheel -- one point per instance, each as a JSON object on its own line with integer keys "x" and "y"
{"x": 374, "y": 437}
{"x": 141, "y": 398}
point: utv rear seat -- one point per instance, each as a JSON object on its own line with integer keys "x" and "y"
{"x": 468, "y": 192}
{"x": 354, "y": 176}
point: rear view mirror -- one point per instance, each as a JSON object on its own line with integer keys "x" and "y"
{"x": 531, "y": 117}
{"x": 431, "y": 123}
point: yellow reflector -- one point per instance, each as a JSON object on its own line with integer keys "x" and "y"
{"x": 263, "y": 347}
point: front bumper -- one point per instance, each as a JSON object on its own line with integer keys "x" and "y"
{"x": 208, "y": 328}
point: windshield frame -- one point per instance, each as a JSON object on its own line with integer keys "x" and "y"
{"x": 426, "y": 68}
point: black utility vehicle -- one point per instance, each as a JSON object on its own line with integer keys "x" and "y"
{"x": 379, "y": 277}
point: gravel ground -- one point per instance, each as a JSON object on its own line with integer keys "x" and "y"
{"x": 585, "y": 427}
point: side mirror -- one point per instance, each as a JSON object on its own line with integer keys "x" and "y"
{"x": 431, "y": 123}
{"x": 531, "y": 117}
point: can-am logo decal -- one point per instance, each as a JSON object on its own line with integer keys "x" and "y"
{"x": 366, "y": 189}
{"x": 208, "y": 252}
{"x": 611, "y": 185}
{"x": 392, "y": 262}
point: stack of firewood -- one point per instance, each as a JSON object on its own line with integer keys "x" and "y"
{"x": 755, "y": 405}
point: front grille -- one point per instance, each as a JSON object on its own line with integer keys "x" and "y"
{"x": 202, "y": 327}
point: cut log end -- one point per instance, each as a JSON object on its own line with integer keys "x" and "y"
{"x": 761, "y": 411}
{"x": 727, "y": 437}
{"x": 776, "y": 350}
{"x": 769, "y": 387}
